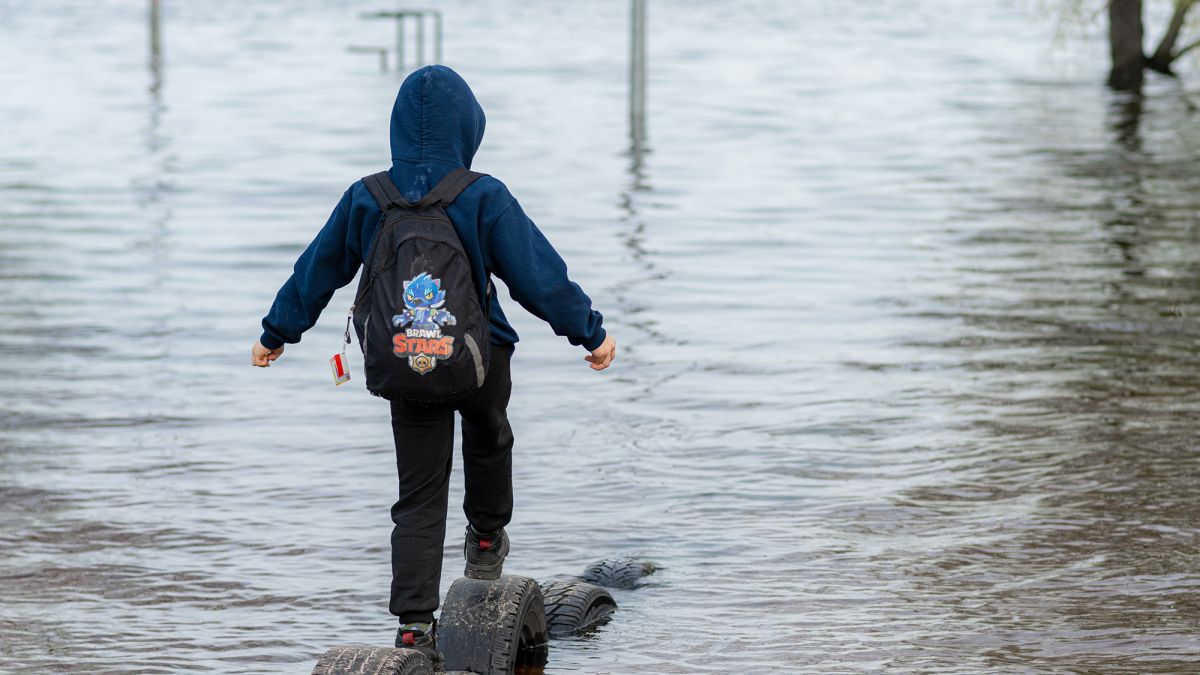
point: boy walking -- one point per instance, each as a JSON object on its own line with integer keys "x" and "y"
{"x": 436, "y": 128}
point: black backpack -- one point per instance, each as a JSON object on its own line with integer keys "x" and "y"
{"x": 423, "y": 329}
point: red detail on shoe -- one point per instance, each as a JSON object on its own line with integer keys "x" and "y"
{"x": 485, "y": 544}
{"x": 408, "y": 639}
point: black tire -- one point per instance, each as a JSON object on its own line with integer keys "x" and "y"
{"x": 618, "y": 572}
{"x": 493, "y": 627}
{"x": 366, "y": 660}
{"x": 575, "y": 607}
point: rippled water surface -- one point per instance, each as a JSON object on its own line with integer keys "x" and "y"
{"x": 907, "y": 305}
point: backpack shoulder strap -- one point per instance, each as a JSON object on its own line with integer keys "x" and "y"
{"x": 384, "y": 191}
{"x": 448, "y": 189}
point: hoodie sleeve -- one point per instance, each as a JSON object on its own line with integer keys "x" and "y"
{"x": 329, "y": 262}
{"x": 536, "y": 277}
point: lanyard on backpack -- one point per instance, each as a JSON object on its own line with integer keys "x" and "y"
{"x": 337, "y": 362}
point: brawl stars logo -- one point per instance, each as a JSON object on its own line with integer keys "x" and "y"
{"x": 422, "y": 341}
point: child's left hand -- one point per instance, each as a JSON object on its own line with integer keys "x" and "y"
{"x": 261, "y": 356}
{"x": 604, "y": 354}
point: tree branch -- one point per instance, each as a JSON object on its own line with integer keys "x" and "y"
{"x": 1164, "y": 55}
{"x": 1185, "y": 49}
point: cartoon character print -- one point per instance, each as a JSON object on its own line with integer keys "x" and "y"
{"x": 423, "y": 300}
{"x": 420, "y": 339}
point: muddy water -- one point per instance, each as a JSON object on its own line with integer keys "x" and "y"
{"x": 907, "y": 306}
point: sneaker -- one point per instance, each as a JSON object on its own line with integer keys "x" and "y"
{"x": 423, "y": 638}
{"x": 485, "y": 554}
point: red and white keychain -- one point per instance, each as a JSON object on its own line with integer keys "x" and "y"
{"x": 337, "y": 362}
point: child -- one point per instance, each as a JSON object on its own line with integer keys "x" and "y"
{"x": 436, "y": 128}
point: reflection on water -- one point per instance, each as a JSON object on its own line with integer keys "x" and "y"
{"x": 909, "y": 372}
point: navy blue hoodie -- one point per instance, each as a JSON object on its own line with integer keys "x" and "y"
{"x": 436, "y": 126}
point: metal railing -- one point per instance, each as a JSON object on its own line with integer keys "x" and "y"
{"x": 419, "y": 18}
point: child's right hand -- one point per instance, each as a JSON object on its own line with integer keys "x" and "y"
{"x": 261, "y": 356}
{"x": 604, "y": 354}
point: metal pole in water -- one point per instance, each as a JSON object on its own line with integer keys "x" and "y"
{"x": 437, "y": 36}
{"x": 637, "y": 73}
{"x": 420, "y": 17}
{"x": 400, "y": 43}
{"x": 155, "y": 45}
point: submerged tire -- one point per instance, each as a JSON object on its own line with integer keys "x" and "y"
{"x": 493, "y": 627}
{"x": 618, "y": 572}
{"x": 575, "y": 607}
{"x": 366, "y": 660}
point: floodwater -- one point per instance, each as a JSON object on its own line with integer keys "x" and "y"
{"x": 908, "y": 306}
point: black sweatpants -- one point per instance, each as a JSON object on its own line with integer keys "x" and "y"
{"x": 424, "y": 454}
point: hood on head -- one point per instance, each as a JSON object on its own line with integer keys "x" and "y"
{"x": 437, "y": 125}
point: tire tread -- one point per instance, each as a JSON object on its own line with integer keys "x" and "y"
{"x": 481, "y": 624}
{"x": 621, "y": 573}
{"x": 575, "y": 607}
{"x": 368, "y": 660}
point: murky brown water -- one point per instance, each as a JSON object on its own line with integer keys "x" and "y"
{"x": 907, "y": 303}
